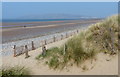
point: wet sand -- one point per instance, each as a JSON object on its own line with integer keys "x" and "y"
{"x": 40, "y": 29}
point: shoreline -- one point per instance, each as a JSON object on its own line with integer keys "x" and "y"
{"x": 7, "y": 48}
{"x": 40, "y": 23}
{"x": 103, "y": 64}
{"x": 13, "y": 34}
{"x": 54, "y": 33}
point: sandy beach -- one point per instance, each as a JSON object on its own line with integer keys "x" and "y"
{"x": 103, "y": 65}
{"x": 41, "y": 29}
{"x": 63, "y": 38}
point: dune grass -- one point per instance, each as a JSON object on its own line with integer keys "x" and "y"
{"x": 16, "y": 71}
{"x": 104, "y": 35}
{"x": 100, "y": 37}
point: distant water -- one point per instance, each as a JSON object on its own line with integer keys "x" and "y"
{"x": 33, "y": 20}
{"x": 28, "y": 21}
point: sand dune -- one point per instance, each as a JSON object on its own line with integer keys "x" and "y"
{"x": 104, "y": 64}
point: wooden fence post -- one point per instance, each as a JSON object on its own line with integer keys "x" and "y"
{"x": 64, "y": 51}
{"x": 33, "y": 47}
{"x": 77, "y": 31}
{"x": 43, "y": 50}
{"x": 66, "y": 35}
{"x": 14, "y": 50}
{"x": 26, "y": 52}
{"x": 54, "y": 39}
{"x": 45, "y": 42}
{"x": 40, "y": 43}
{"x": 61, "y": 36}
{"x": 51, "y": 40}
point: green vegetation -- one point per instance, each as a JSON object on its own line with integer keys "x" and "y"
{"x": 100, "y": 37}
{"x": 14, "y": 72}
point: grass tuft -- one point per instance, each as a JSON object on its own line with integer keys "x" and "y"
{"x": 14, "y": 72}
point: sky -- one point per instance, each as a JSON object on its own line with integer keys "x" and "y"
{"x": 60, "y": 0}
{"x": 13, "y": 10}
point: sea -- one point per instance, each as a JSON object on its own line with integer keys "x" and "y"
{"x": 34, "y": 20}
{"x": 7, "y": 23}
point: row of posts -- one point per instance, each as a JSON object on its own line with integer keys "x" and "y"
{"x": 33, "y": 47}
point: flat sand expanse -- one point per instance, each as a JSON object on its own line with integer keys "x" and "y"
{"x": 103, "y": 65}
{"x": 42, "y": 28}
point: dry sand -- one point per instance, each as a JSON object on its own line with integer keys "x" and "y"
{"x": 104, "y": 64}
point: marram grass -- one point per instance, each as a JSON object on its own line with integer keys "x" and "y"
{"x": 16, "y": 71}
{"x": 99, "y": 37}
